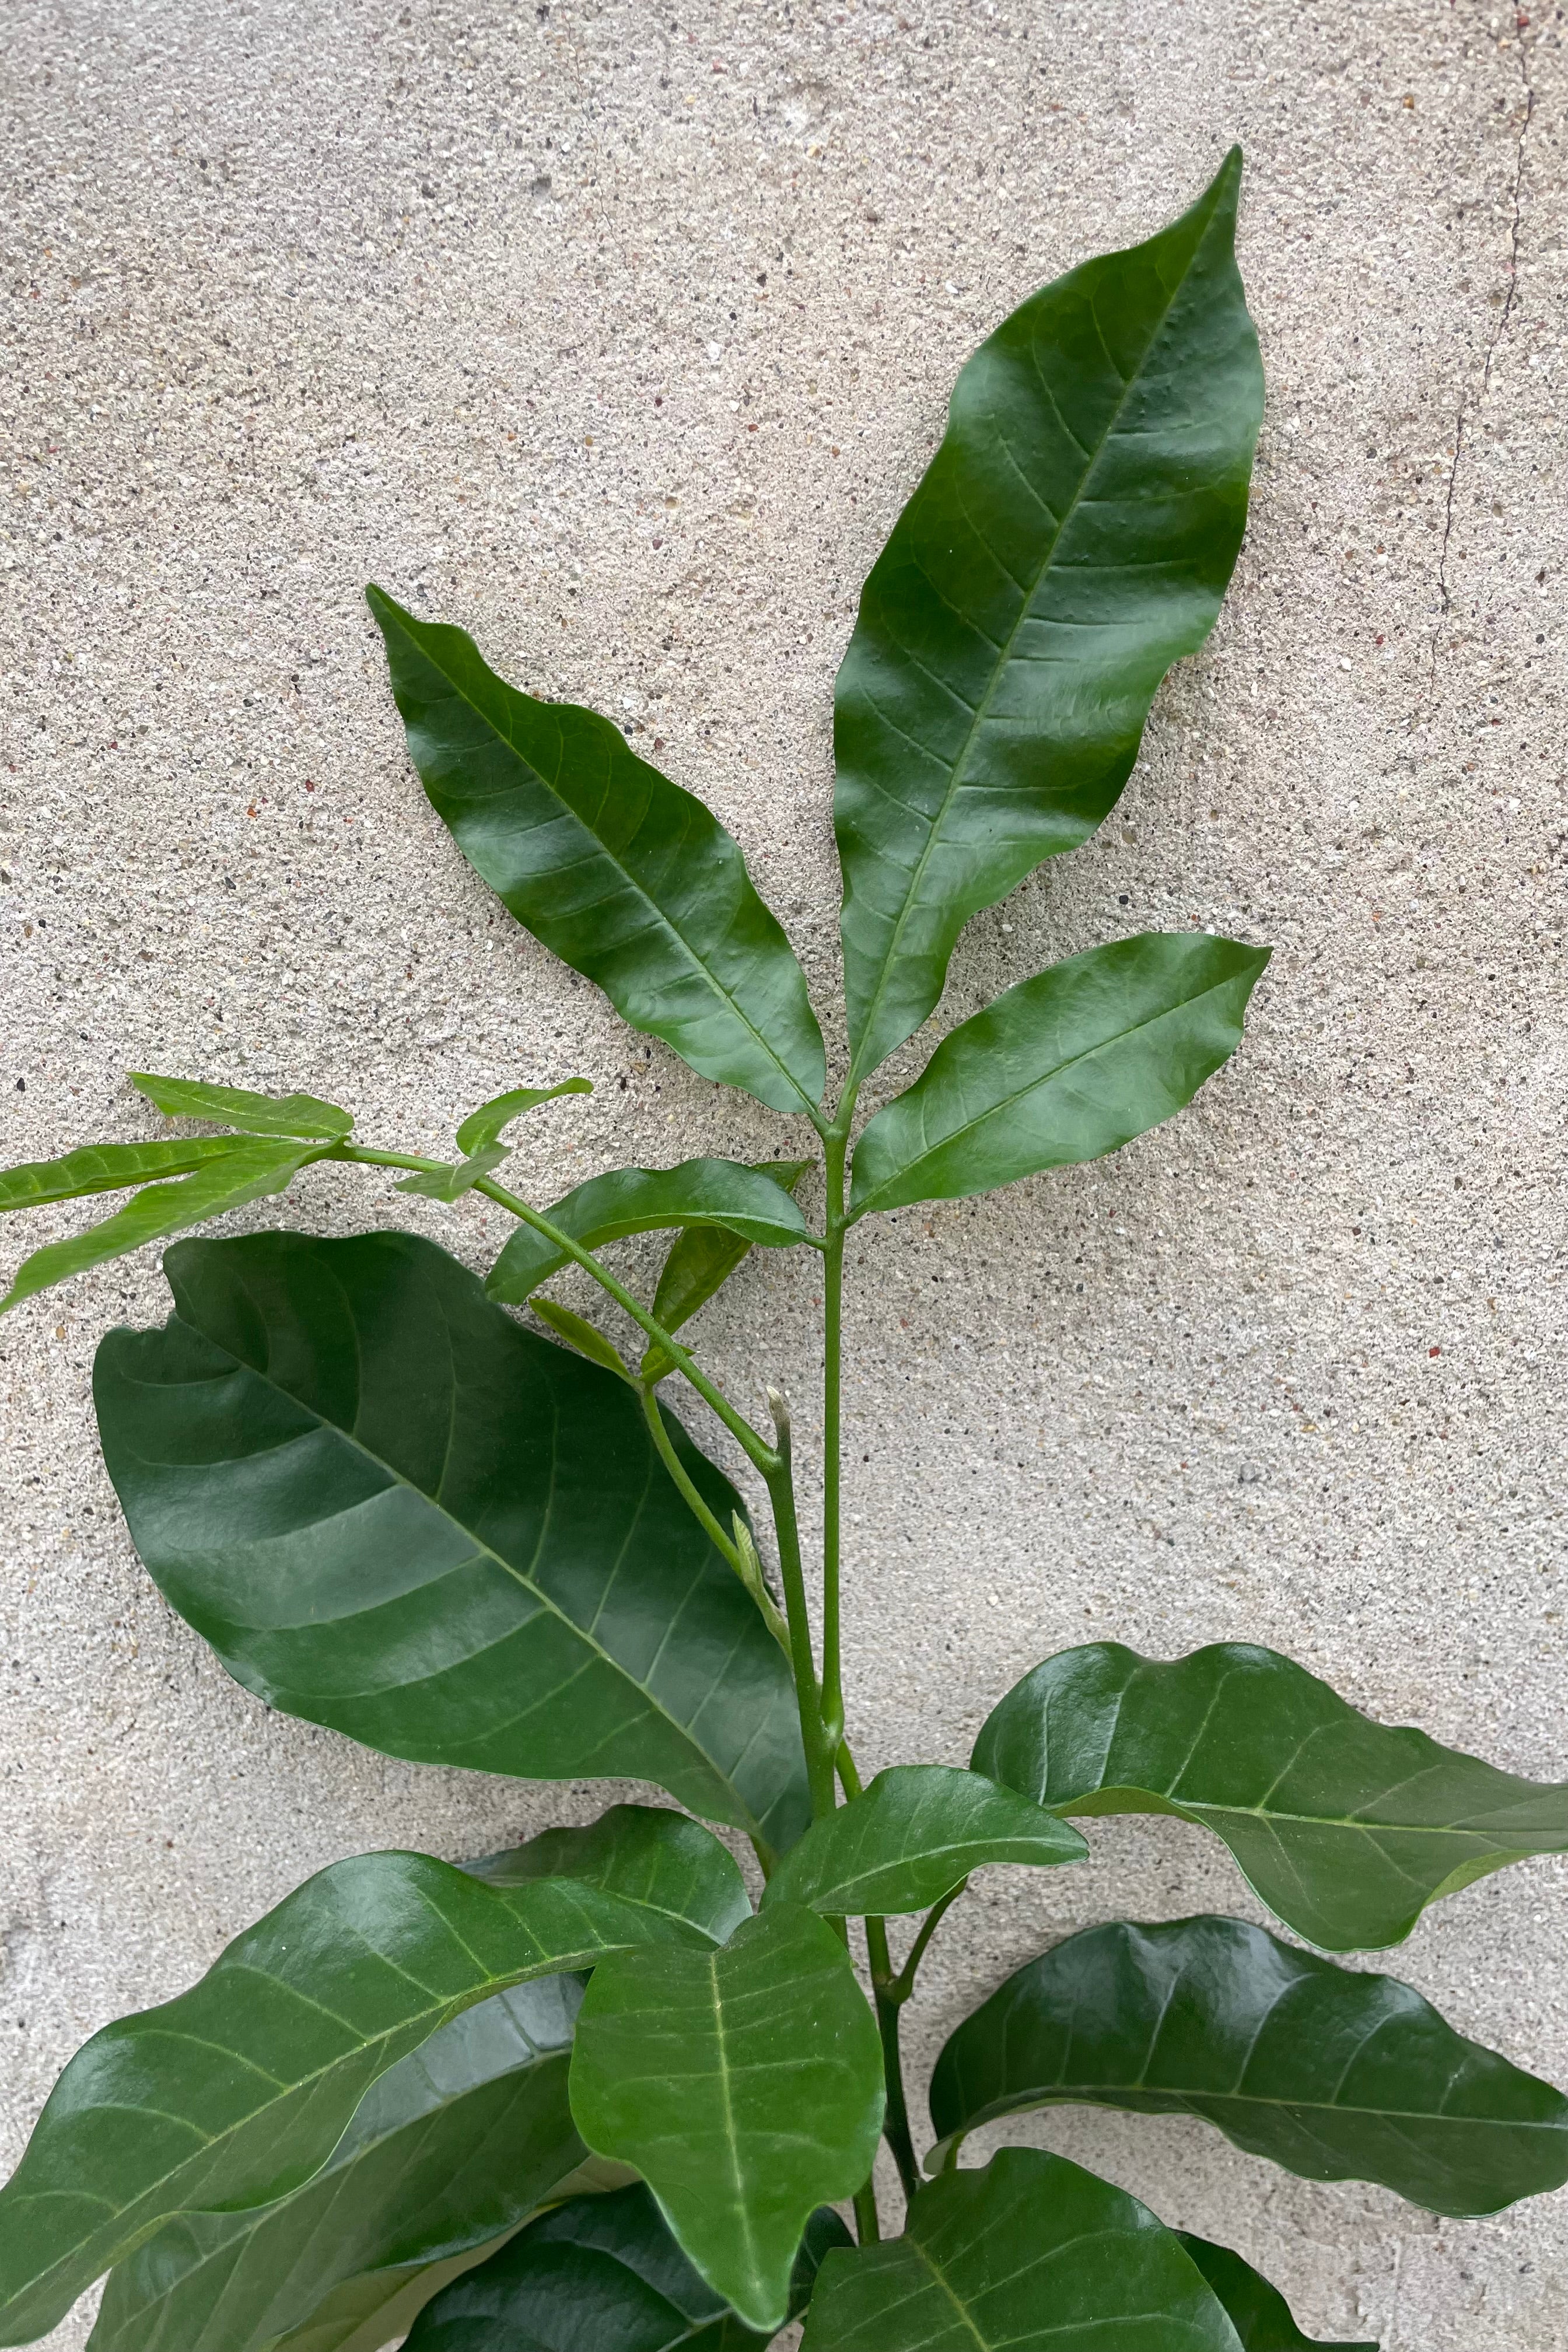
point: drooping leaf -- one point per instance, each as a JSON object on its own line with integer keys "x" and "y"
{"x": 487, "y": 1125}
{"x": 235, "y": 2093}
{"x": 642, "y": 1853}
{"x": 1028, "y": 2254}
{"x": 1346, "y": 1827}
{"x": 249, "y": 1171}
{"x": 917, "y": 1830}
{"x": 391, "y": 1511}
{"x": 106, "y": 1168}
{"x": 604, "y": 2274}
{"x": 1259, "y": 2312}
{"x": 580, "y": 1334}
{"x": 619, "y": 872}
{"x": 1332, "y": 2074}
{"x": 451, "y": 1183}
{"x": 700, "y": 1261}
{"x": 304, "y": 1115}
{"x": 1064, "y": 1067}
{"x": 746, "y": 2088}
{"x": 1071, "y": 539}
{"x": 642, "y": 1201}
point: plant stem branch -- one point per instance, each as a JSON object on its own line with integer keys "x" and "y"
{"x": 903, "y": 1984}
{"x": 868, "y": 2226}
{"x": 895, "y": 2125}
{"x": 807, "y": 1696}
{"x": 673, "y": 1462}
{"x": 835, "y": 1145}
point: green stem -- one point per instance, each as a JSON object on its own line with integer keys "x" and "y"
{"x": 868, "y": 2226}
{"x": 792, "y": 1575}
{"x": 836, "y": 1142}
{"x": 677, "y": 1468}
{"x": 890, "y": 2005}
{"x": 903, "y": 1984}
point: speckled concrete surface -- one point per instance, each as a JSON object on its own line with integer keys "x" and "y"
{"x": 619, "y": 334}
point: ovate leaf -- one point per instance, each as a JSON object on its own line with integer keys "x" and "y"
{"x": 391, "y": 1511}
{"x": 106, "y": 1168}
{"x": 580, "y": 1334}
{"x": 1334, "y": 2075}
{"x": 1072, "y": 537}
{"x": 642, "y": 1853}
{"x": 745, "y": 2087}
{"x": 700, "y": 1261}
{"x": 619, "y": 872}
{"x": 1064, "y": 1067}
{"x": 487, "y": 1125}
{"x": 1346, "y": 1827}
{"x": 237, "y": 1107}
{"x": 1259, "y": 2312}
{"x": 450, "y": 1184}
{"x": 1030, "y": 2255}
{"x": 916, "y": 1832}
{"x": 641, "y": 1201}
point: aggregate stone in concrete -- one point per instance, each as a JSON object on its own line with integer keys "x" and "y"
{"x": 619, "y": 333}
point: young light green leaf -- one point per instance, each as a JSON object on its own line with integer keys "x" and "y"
{"x": 393, "y": 1510}
{"x": 450, "y": 1184}
{"x": 1259, "y": 2312}
{"x": 1334, "y": 2075}
{"x": 619, "y": 872}
{"x": 700, "y": 1261}
{"x": 249, "y": 1171}
{"x": 1344, "y": 1827}
{"x": 107, "y": 1167}
{"x": 642, "y": 1201}
{"x": 1028, "y": 2254}
{"x": 642, "y": 1853}
{"x": 915, "y": 1834}
{"x": 580, "y": 1334}
{"x": 746, "y": 2088}
{"x": 1064, "y": 1067}
{"x": 237, "y": 1107}
{"x": 487, "y": 1125}
{"x": 1071, "y": 539}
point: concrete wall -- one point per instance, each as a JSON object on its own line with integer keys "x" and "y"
{"x": 489, "y": 299}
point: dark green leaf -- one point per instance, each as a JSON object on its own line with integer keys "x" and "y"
{"x": 580, "y": 1335}
{"x": 393, "y": 1510}
{"x": 486, "y": 1124}
{"x": 235, "y": 2093}
{"x": 249, "y": 1171}
{"x": 643, "y": 1201}
{"x": 1072, "y": 537}
{"x": 603, "y": 2274}
{"x": 1344, "y": 1827}
{"x": 700, "y": 1261}
{"x": 106, "y": 1168}
{"x": 1259, "y": 2312}
{"x": 642, "y": 1853}
{"x": 237, "y": 1107}
{"x": 1065, "y": 1066}
{"x": 746, "y": 2088}
{"x": 1031, "y": 2255}
{"x": 916, "y": 1832}
{"x": 450, "y": 1184}
{"x": 619, "y": 872}
{"x": 1335, "y": 2076}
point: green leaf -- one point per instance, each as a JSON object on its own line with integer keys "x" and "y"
{"x": 450, "y": 1184}
{"x": 1259, "y": 2312}
{"x": 581, "y": 1335}
{"x": 1064, "y": 1067}
{"x": 642, "y": 1201}
{"x": 456, "y": 2145}
{"x": 486, "y": 1124}
{"x": 619, "y": 872}
{"x": 1332, "y": 2074}
{"x": 643, "y": 1855}
{"x": 608, "y": 2265}
{"x": 1346, "y": 1828}
{"x": 249, "y": 1171}
{"x": 1030, "y": 2255}
{"x": 235, "y": 1107}
{"x": 1071, "y": 538}
{"x": 700, "y": 1261}
{"x": 235, "y": 2093}
{"x": 915, "y": 1834}
{"x": 393, "y": 1510}
{"x": 745, "y": 2085}
{"x": 106, "y": 1168}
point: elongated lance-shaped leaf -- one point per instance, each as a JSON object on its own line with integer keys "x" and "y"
{"x": 605, "y": 2274}
{"x": 489, "y": 1123}
{"x": 618, "y": 871}
{"x": 642, "y": 1201}
{"x": 642, "y": 1853}
{"x": 911, "y": 1838}
{"x": 450, "y": 1184}
{"x": 1072, "y": 537}
{"x": 1334, "y": 2075}
{"x": 1030, "y": 2255}
{"x": 453, "y": 2147}
{"x": 1344, "y": 1827}
{"x": 582, "y": 1335}
{"x": 237, "y": 2093}
{"x": 238, "y": 1106}
{"x": 745, "y": 2087}
{"x": 1259, "y": 2312}
{"x": 107, "y": 1167}
{"x": 1064, "y": 1067}
{"x": 700, "y": 1261}
{"x": 249, "y": 1171}
{"x": 393, "y": 1510}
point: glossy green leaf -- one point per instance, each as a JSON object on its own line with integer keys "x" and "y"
{"x": 450, "y": 1184}
{"x": 619, "y": 872}
{"x": 1259, "y": 2312}
{"x": 643, "y": 1201}
{"x": 107, "y": 1167}
{"x": 1071, "y": 538}
{"x": 235, "y": 2093}
{"x": 582, "y": 1335}
{"x": 251, "y": 1171}
{"x": 641, "y": 1854}
{"x": 452, "y": 2148}
{"x": 1064, "y": 1067}
{"x": 1344, "y": 1827}
{"x": 487, "y": 1124}
{"x": 745, "y": 2085}
{"x": 700, "y": 1261}
{"x": 393, "y": 1510}
{"x": 1030, "y": 2255}
{"x": 303, "y": 1115}
{"x": 604, "y": 2274}
{"x": 1332, "y": 2074}
{"x": 915, "y": 1834}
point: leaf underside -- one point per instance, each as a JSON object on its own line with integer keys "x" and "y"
{"x": 107, "y": 1167}
{"x": 300, "y": 1114}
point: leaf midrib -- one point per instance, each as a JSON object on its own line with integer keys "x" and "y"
{"x": 1194, "y": 1807}
{"x": 1088, "y": 2095}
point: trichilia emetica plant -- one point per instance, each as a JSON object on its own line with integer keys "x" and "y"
{"x": 583, "y": 2094}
